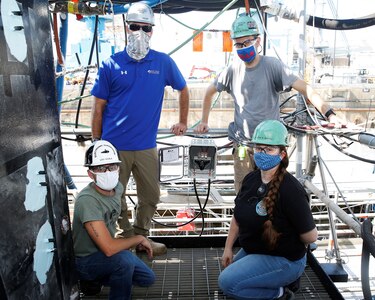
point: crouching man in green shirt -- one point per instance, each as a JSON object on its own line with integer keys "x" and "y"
{"x": 99, "y": 255}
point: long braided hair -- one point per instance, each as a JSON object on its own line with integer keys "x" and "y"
{"x": 270, "y": 235}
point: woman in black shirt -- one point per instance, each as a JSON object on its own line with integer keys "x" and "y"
{"x": 272, "y": 221}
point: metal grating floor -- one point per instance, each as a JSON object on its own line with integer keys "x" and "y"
{"x": 191, "y": 273}
{"x": 185, "y": 273}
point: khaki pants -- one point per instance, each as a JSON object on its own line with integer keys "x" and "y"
{"x": 242, "y": 166}
{"x": 144, "y": 165}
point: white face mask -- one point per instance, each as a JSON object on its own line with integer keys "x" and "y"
{"x": 107, "y": 180}
{"x": 138, "y": 44}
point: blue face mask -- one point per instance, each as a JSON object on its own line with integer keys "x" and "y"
{"x": 247, "y": 54}
{"x": 266, "y": 161}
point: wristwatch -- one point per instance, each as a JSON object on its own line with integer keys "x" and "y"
{"x": 94, "y": 140}
{"x": 328, "y": 113}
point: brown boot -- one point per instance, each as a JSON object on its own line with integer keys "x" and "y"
{"x": 157, "y": 248}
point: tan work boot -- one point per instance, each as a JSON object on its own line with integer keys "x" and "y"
{"x": 157, "y": 248}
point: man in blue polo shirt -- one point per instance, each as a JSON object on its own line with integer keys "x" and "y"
{"x": 128, "y": 96}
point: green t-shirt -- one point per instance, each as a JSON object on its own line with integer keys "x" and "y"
{"x": 93, "y": 206}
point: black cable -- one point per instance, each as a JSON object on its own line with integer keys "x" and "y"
{"x": 204, "y": 136}
{"x": 195, "y": 217}
{"x": 343, "y": 143}
{"x": 347, "y": 153}
{"x": 96, "y": 44}
{"x": 166, "y": 144}
{"x": 226, "y": 146}
{"x": 341, "y": 135}
{"x": 367, "y": 236}
{"x": 300, "y": 130}
{"x": 200, "y": 204}
{"x": 322, "y": 133}
{"x": 135, "y": 205}
{"x": 200, "y": 212}
{"x": 295, "y": 129}
{"x": 286, "y": 100}
{"x": 368, "y": 247}
{"x": 94, "y": 41}
{"x": 343, "y": 24}
{"x": 77, "y": 139}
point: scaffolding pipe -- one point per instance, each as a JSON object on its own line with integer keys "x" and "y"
{"x": 340, "y": 213}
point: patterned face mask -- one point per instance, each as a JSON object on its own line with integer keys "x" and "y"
{"x": 138, "y": 44}
{"x": 247, "y": 54}
{"x": 266, "y": 161}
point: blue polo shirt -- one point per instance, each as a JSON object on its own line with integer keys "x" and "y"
{"x": 134, "y": 92}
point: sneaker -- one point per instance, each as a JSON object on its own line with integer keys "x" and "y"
{"x": 288, "y": 295}
{"x": 157, "y": 248}
{"x": 90, "y": 288}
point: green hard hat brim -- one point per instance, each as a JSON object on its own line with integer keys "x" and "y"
{"x": 270, "y": 132}
{"x": 242, "y": 34}
{"x": 255, "y": 143}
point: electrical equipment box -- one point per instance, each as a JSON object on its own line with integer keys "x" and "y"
{"x": 171, "y": 163}
{"x": 202, "y": 159}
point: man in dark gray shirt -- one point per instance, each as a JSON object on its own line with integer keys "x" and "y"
{"x": 255, "y": 82}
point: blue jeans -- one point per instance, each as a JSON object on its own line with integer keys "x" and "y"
{"x": 257, "y": 276}
{"x": 119, "y": 272}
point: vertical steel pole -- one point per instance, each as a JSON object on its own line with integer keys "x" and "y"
{"x": 333, "y": 234}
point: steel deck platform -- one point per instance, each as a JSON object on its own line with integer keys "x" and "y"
{"x": 192, "y": 265}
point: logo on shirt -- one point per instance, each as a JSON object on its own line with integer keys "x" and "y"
{"x": 156, "y": 72}
{"x": 124, "y": 72}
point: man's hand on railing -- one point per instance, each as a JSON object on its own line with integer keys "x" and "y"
{"x": 202, "y": 127}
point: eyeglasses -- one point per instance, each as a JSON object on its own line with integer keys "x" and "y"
{"x": 105, "y": 168}
{"x": 136, "y": 27}
{"x": 266, "y": 150}
{"x": 244, "y": 44}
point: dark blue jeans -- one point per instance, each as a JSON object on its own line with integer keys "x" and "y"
{"x": 119, "y": 272}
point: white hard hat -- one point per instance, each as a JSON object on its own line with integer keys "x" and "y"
{"x": 141, "y": 13}
{"x": 101, "y": 153}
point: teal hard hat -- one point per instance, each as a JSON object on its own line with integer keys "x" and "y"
{"x": 244, "y": 25}
{"x": 270, "y": 132}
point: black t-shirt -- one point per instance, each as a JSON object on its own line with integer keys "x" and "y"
{"x": 292, "y": 217}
